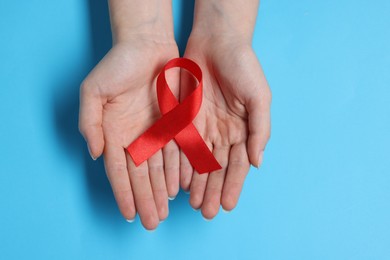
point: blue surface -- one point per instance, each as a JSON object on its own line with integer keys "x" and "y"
{"x": 322, "y": 193}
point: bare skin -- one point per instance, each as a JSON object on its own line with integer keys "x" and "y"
{"x": 235, "y": 114}
{"x": 118, "y": 103}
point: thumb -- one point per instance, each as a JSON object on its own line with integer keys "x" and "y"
{"x": 90, "y": 120}
{"x": 259, "y": 127}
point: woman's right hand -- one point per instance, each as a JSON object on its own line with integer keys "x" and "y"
{"x": 118, "y": 103}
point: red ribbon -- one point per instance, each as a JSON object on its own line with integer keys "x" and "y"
{"x": 176, "y": 123}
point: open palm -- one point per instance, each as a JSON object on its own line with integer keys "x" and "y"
{"x": 234, "y": 120}
{"x": 118, "y": 103}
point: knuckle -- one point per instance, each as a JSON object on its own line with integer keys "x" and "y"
{"x": 171, "y": 150}
{"x": 221, "y": 171}
{"x": 139, "y": 173}
{"x": 122, "y": 193}
{"x": 171, "y": 168}
{"x": 186, "y": 169}
{"x": 239, "y": 162}
{"x": 116, "y": 168}
{"x": 214, "y": 190}
{"x": 82, "y": 128}
{"x": 199, "y": 185}
{"x": 159, "y": 192}
{"x": 157, "y": 168}
{"x": 84, "y": 85}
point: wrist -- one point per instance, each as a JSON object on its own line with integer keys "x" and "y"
{"x": 217, "y": 43}
{"x": 225, "y": 19}
{"x": 141, "y": 19}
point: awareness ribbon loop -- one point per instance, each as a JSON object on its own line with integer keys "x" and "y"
{"x": 176, "y": 123}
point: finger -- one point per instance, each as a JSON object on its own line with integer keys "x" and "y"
{"x": 212, "y": 197}
{"x": 143, "y": 194}
{"x": 259, "y": 126}
{"x": 115, "y": 164}
{"x": 159, "y": 188}
{"x": 198, "y": 188}
{"x": 186, "y": 172}
{"x": 171, "y": 156}
{"x": 237, "y": 170}
{"x": 90, "y": 120}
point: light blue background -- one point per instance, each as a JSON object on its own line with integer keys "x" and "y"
{"x": 322, "y": 193}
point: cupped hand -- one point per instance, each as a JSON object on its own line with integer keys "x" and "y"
{"x": 234, "y": 120}
{"x": 117, "y": 104}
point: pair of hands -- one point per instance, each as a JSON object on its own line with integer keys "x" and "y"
{"x": 118, "y": 102}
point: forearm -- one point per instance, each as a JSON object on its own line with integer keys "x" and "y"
{"x": 152, "y": 18}
{"x": 216, "y": 18}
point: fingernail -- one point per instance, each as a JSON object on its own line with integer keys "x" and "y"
{"x": 196, "y": 210}
{"x": 187, "y": 192}
{"x": 89, "y": 150}
{"x": 226, "y": 211}
{"x": 260, "y": 159}
{"x": 151, "y": 230}
{"x": 161, "y": 221}
{"x": 172, "y": 197}
{"x": 130, "y": 220}
{"x": 206, "y": 219}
